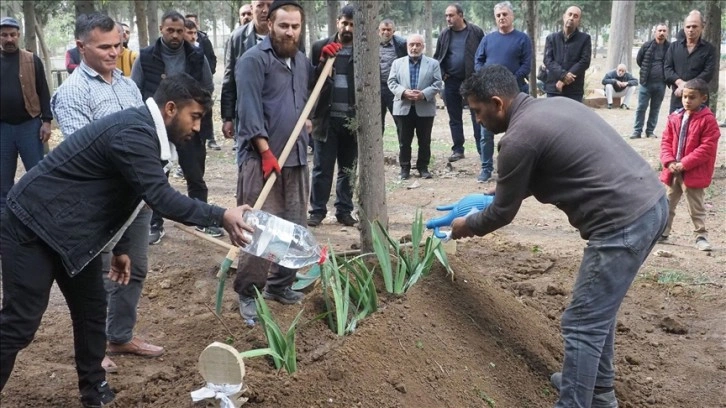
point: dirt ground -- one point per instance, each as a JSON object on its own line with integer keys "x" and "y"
{"x": 489, "y": 337}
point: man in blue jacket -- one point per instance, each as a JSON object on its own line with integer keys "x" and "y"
{"x": 65, "y": 210}
{"x": 567, "y": 57}
{"x": 651, "y": 60}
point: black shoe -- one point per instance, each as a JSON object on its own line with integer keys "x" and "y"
{"x": 346, "y": 219}
{"x": 214, "y": 232}
{"x": 315, "y": 219}
{"x": 651, "y": 135}
{"x": 405, "y": 174}
{"x": 100, "y": 395}
{"x": 624, "y": 106}
{"x": 212, "y": 144}
{"x": 610, "y": 106}
{"x": 287, "y": 296}
{"x": 425, "y": 174}
{"x": 456, "y": 156}
{"x": 155, "y": 235}
{"x": 635, "y": 136}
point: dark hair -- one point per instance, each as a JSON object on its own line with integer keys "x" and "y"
{"x": 181, "y": 89}
{"x": 85, "y": 23}
{"x": 387, "y": 22}
{"x": 196, "y": 17}
{"x": 698, "y": 85}
{"x": 189, "y": 24}
{"x": 492, "y": 80}
{"x": 172, "y": 15}
{"x": 125, "y": 25}
{"x": 459, "y": 9}
{"x": 347, "y": 11}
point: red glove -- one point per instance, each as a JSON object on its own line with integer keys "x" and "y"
{"x": 269, "y": 164}
{"x": 330, "y": 50}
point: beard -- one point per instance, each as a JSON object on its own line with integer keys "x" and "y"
{"x": 176, "y": 134}
{"x": 284, "y": 46}
{"x": 346, "y": 37}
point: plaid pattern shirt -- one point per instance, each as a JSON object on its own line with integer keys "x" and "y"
{"x": 86, "y": 96}
{"x": 414, "y": 67}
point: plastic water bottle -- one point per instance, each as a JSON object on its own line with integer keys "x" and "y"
{"x": 282, "y": 242}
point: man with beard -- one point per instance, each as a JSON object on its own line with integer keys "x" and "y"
{"x": 126, "y": 57}
{"x": 650, "y": 59}
{"x": 333, "y": 138}
{"x": 274, "y": 79}
{"x": 171, "y": 54}
{"x": 555, "y": 150}
{"x": 242, "y": 39}
{"x": 567, "y": 57}
{"x": 390, "y": 48}
{"x": 64, "y": 211}
{"x": 25, "y": 99}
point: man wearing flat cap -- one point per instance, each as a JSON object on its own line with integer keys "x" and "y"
{"x": 25, "y": 99}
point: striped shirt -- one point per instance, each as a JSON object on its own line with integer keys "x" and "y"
{"x": 86, "y": 96}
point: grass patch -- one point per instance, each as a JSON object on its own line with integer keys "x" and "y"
{"x": 487, "y": 399}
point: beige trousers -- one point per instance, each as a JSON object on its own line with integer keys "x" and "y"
{"x": 695, "y": 200}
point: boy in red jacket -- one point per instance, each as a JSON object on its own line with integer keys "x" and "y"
{"x": 688, "y": 154}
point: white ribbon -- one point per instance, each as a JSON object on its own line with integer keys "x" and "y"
{"x": 220, "y": 392}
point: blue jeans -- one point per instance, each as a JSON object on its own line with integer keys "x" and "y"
{"x": 22, "y": 139}
{"x": 455, "y": 108}
{"x": 487, "y": 150}
{"x": 610, "y": 263}
{"x": 123, "y": 300}
{"x": 654, "y": 94}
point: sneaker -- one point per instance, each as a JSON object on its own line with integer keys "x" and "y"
{"x": 212, "y": 144}
{"x": 456, "y": 156}
{"x": 663, "y": 239}
{"x": 425, "y": 174}
{"x": 636, "y": 136}
{"x": 346, "y": 219}
{"x": 155, "y": 235}
{"x": 179, "y": 173}
{"x": 248, "y": 309}
{"x": 624, "y": 106}
{"x": 315, "y": 219}
{"x": 605, "y": 400}
{"x": 484, "y": 176}
{"x": 100, "y": 395}
{"x": 286, "y": 296}
{"x": 702, "y": 244}
{"x": 651, "y": 135}
{"x": 215, "y": 232}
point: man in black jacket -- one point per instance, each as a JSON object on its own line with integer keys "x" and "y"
{"x": 390, "y": 48}
{"x": 334, "y": 141}
{"x": 650, "y": 59}
{"x": 64, "y": 211}
{"x": 567, "y": 57}
{"x": 171, "y": 54}
{"x": 455, "y": 51}
{"x": 206, "y": 45}
{"x": 688, "y": 58}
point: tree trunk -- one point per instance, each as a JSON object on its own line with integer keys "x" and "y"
{"x": 141, "y": 29}
{"x": 712, "y": 34}
{"x": 312, "y": 22}
{"x": 428, "y": 27}
{"x": 152, "y": 13}
{"x": 333, "y": 7}
{"x": 372, "y": 186}
{"x": 595, "y": 41}
{"x": 620, "y": 43}
{"x": 47, "y": 63}
{"x": 29, "y": 16}
{"x": 84, "y": 7}
{"x": 531, "y": 21}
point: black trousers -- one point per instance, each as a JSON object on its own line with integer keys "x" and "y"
{"x": 29, "y": 267}
{"x": 192, "y": 160}
{"x": 422, "y": 125}
{"x": 207, "y": 127}
{"x": 386, "y": 104}
{"x": 341, "y": 146}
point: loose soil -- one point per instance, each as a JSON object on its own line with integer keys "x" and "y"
{"x": 487, "y": 336}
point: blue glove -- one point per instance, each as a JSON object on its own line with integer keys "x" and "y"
{"x": 462, "y": 208}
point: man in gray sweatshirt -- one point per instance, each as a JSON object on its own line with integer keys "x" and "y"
{"x": 562, "y": 153}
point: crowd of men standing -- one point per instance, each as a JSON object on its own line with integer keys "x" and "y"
{"x": 266, "y": 68}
